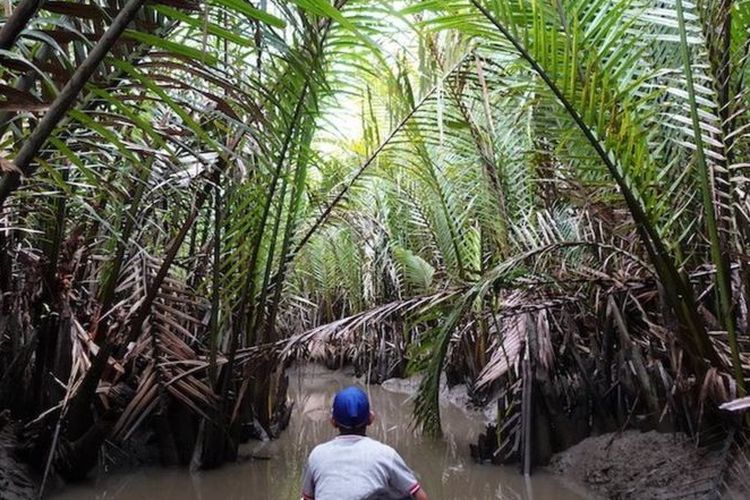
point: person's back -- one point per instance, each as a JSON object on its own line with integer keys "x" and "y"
{"x": 356, "y": 467}
{"x": 353, "y": 466}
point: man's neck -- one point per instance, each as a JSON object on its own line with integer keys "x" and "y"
{"x": 353, "y": 432}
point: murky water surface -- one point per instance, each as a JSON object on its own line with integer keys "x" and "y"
{"x": 444, "y": 467}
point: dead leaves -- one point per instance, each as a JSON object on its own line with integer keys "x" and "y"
{"x": 8, "y": 166}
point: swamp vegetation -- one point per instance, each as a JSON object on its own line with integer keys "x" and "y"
{"x": 545, "y": 200}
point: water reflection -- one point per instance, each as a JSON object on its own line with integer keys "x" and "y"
{"x": 443, "y": 466}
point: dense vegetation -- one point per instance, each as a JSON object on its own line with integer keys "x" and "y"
{"x": 522, "y": 194}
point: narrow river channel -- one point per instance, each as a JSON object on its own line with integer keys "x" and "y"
{"x": 444, "y": 466}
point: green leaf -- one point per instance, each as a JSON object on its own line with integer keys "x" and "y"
{"x": 212, "y": 28}
{"x": 325, "y": 9}
{"x": 169, "y": 46}
{"x": 417, "y": 271}
{"x": 251, "y": 12}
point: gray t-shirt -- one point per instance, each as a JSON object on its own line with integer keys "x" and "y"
{"x": 356, "y": 468}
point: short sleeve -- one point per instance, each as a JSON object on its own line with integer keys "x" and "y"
{"x": 402, "y": 478}
{"x": 308, "y": 484}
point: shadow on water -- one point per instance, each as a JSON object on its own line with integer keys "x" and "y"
{"x": 444, "y": 466}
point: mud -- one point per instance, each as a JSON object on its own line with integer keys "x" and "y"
{"x": 630, "y": 464}
{"x": 16, "y": 480}
{"x": 643, "y": 465}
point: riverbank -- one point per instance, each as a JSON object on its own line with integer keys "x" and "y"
{"x": 619, "y": 465}
{"x": 642, "y": 465}
{"x": 16, "y": 478}
{"x": 456, "y": 396}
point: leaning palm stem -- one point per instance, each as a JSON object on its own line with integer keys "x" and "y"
{"x": 65, "y": 100}
{"x": 326, "y": 213}
{"x": 174, "y": 246}
{"x": 718, "y": 254}
{"x": 678, "y": 291}
{"x": 16, "y": 23}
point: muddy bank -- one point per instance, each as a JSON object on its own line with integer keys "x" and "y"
{"x": 456, "y": 396}
{"x": 627, "y": 465}
{"x": 16, "y": 479}
{"x": 643, "y": 465}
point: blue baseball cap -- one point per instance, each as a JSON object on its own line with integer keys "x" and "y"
{"x": 351, "y": 408}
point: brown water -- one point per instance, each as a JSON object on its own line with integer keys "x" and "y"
{"x": 444, "y": 467}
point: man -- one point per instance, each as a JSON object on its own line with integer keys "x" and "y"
{"x": 352, "y": 466}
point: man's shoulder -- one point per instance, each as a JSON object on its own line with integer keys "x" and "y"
{"x": 379, "y": 444}
{"x": 381, "y": 448}
{"x": 325, "y": 448}
{"x": 320, "y": 449}
{"x": 335, "y": 445}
